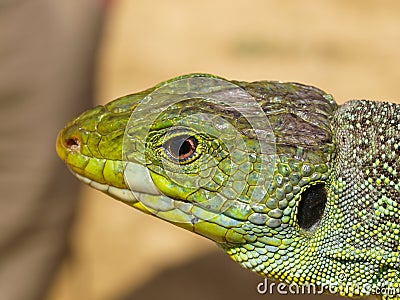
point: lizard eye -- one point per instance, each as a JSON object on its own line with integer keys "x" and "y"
{"x": 181, "y": 148}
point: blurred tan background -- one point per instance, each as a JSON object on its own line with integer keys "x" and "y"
{"x": 347, "y": 48}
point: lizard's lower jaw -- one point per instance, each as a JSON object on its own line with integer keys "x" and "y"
{"x": 122, "y": 194}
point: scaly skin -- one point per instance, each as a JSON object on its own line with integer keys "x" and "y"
{"x": 286, "y": 182}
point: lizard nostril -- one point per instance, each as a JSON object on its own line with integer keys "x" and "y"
{"x": 72, "y": 144}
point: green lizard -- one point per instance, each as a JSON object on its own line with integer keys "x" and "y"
{"x": 289, "y": 184}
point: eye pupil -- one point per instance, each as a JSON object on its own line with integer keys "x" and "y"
{"x": 181, "y": 147}
{"x": 185, "y": 148}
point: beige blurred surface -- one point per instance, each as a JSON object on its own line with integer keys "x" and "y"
{"x": 347, "y": 48}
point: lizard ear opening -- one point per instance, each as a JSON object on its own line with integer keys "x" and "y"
{"x": 311, "y": 206}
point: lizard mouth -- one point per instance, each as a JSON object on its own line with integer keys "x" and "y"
{"x": 139, "y": 183}
{"x": 122, "y": 194}
{"x": 124, "y": 181}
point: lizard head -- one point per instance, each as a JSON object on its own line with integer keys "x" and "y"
{"x": 250, "y": 166}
